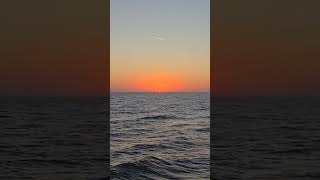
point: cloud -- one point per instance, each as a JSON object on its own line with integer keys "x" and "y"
{"x": 158, "y": 36}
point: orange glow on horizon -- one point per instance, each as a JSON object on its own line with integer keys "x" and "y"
{"x": 158, "y": 82}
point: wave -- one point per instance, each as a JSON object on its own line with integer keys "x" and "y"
{"x": 54, "y": 161}
{"x": 203, "y": 130}
{"x": 149, "y": 168}
{"x": 291, "y": 151}
{"x": 32, "y": 125}
{"x": 161, "y": 117}
{"x": 144, "y": 147}
{"x": 5, "y": 116}
{"x": 37, "y": 113}
{"x": 291, "y": 128}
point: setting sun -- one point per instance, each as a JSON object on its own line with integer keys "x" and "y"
{"x": 158, "y": 82}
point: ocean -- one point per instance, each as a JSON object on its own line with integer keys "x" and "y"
{"x": 50, "y": 138}
{"x": 263, "y": 138}
{"x": 160, "y": 136}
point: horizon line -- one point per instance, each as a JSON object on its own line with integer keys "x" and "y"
{"x": 160, "y": 92}
{"x": 217, "y": 96}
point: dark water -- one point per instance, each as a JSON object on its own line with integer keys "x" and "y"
{"x": 160, "y": 136}
{"x": 53, "y": 138}
{"x": 266, "y": 138}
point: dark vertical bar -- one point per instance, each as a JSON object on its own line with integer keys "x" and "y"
{"x": 265, "y": 97}
{"x": 54, "y": 89}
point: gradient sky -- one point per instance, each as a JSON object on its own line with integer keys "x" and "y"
{"x": 160, "y": 45}
{"x": 266, "y": 47}
{"x": 53, "y": 47}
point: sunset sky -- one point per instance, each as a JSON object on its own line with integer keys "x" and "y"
{"x": 160, "y": 45}
{"x": 266, "y": 47}
{"x": 53, "y": 47}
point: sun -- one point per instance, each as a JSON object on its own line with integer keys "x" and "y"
{"x": 159, "y": 82}
{"x": 162, "y": 87}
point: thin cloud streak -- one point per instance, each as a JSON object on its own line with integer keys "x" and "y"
{"x": 158, "y": 36}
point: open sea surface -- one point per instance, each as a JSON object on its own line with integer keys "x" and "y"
{"x": 264, "y": 138}
{"x": 160, "y": 136}
{"x": 53, "y": 138}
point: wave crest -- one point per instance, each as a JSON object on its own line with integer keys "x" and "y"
{"x": 160, "y": 117}
{"x": 147, "y": 168}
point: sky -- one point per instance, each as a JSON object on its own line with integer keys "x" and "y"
{"x": 160, "y": 45}
{"x": 53, "y": 47}
{"x": 266, "y": 48}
